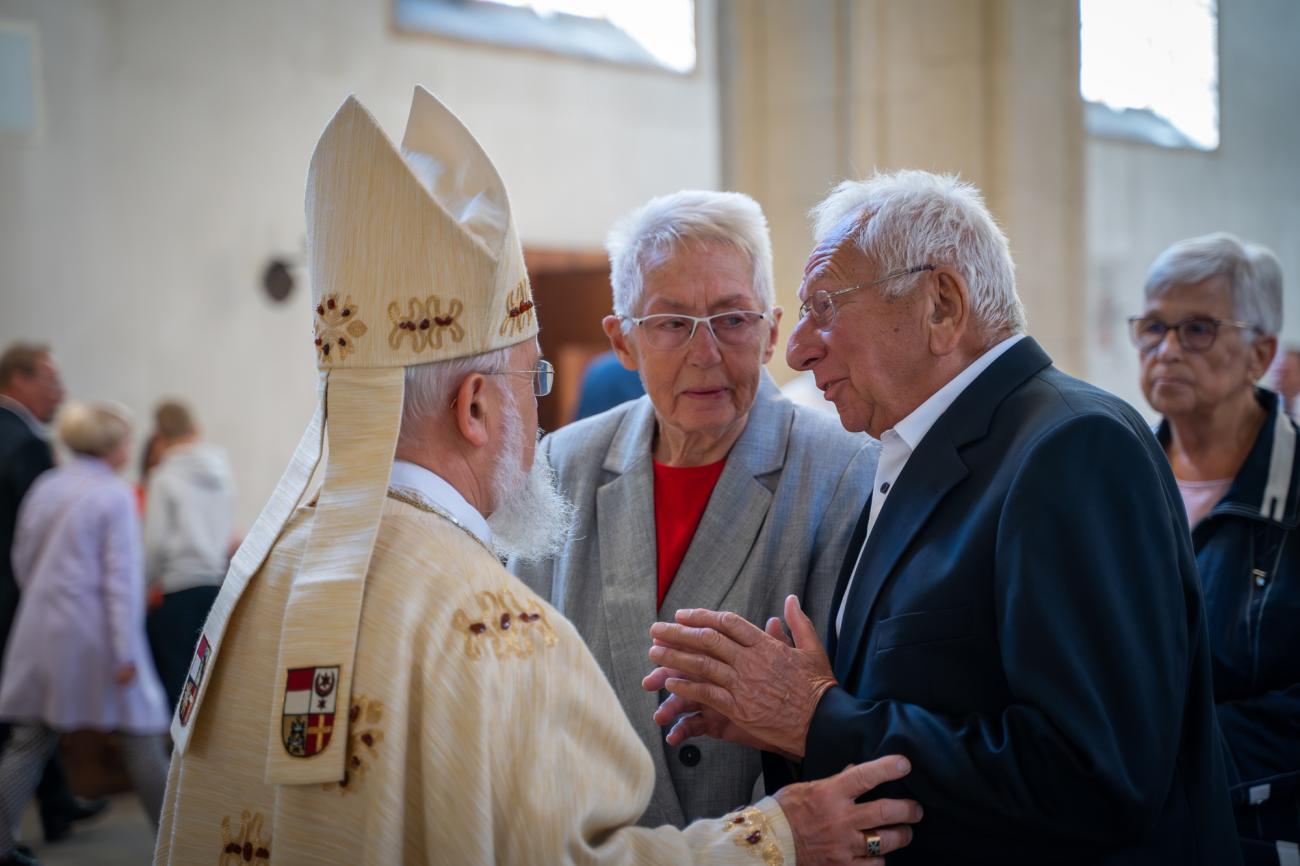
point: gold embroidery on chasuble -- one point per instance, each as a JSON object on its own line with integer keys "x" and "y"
{"x": 519, "y": 311}
{"x": 364, "y": 737}
{"x": 750, "y": 829}
{"x": 425, "y": 322}
{"x": 337, "y": 326}
{"x": 246, "y": 847}
{"x": 504, "y": 623}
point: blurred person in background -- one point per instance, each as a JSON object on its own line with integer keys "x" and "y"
{"x": 77, "y": 657}
{"x": 31, "y": 390}
{"x": 189, "y": 511}
{"x": 714, "y": 490}
{"x": 606, "y": 383}
{"x": 1206, "y": 336}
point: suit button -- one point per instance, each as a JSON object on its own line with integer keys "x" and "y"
{"x": 689, "y": 755}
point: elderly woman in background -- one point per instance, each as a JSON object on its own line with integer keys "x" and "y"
{"x": 1207, "y": 335}
{"x": 711, "y": 491}
{"x": 77, "y": 656}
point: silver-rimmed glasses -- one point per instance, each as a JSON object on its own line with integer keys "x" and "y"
{"x": 543, "y": 376}
{"x": 821, "y": 304}
{"x": 667, "y": 331}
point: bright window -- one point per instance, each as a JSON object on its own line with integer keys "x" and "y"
{"x": 657, "y": 33}
{"x": 1150, "y": 70}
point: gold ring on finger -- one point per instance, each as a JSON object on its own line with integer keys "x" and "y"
{"x": 874, "y": 844}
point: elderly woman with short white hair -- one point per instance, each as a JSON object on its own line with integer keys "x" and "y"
{"x": 713, "y": 490}
{"x": 77, "y": 656}
{"x": 1206, "y": 336}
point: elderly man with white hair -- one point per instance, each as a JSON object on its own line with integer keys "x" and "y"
{"x": 1018, "y": 612}
{"x": 713, "y": 490}
{"x": 1207, "y": 333}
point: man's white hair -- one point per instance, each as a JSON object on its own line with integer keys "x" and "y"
{"x": 1254, "y": 276}
{"x": 664, "y": 223}
{"x": 429, "y": 388}
{"x": 905, "y": 219}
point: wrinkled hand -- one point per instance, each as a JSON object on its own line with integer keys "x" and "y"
{"x": 829, "y": 826}
{"x": 124, "y": 674}
{"x": 759, "y": 688}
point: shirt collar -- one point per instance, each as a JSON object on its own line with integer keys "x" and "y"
{"x": 912, "y": 429}
{"x": 433, "y": 487}
{"x": 24, "y": 413}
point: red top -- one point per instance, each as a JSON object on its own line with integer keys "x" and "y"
{"x": 681, "y": 495}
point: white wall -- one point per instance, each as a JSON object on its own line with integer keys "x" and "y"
{"x": 177, "y": 133}
{"x": 1142, "y": 198}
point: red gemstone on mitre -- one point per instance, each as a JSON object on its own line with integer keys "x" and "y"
{"x": 478, "y": 628}
{"x": 318, "y": 341}
{"x": 424, "y": 324}
{"x": 320, "y": 311}
{"x": 505, "y": 621}
{"x": 330, "y": 303}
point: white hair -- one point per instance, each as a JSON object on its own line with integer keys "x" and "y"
{"x": 531, "y": 519}
{"x": 1254, "y": 301}
{"x": 662, "y": 224}
{"x": 905, "y": 219}
{"x": 429, "y": 388}
{"x": 94, "y": 429}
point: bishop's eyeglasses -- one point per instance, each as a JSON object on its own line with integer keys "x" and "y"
{"x": 543, "y": 376}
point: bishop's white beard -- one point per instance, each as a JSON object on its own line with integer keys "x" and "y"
{"x": 531, "y": 519}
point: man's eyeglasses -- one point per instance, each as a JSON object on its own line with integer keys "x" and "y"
{"x": 668, "y": 331}
{"x": 821, "y": 305}
{"x": 543, "y": 376}
{"x": 1195, "y": 333}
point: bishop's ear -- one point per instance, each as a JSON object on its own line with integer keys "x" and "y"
{"x": 470, "y": 407}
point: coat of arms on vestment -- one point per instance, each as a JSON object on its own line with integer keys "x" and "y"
{"x": 198, "y": 666}
{"x": 308, "y": 721}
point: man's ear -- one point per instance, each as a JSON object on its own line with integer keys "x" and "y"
{"x": 619, "y": 342}
{"x": 471, "y": 410}
{"x": 947, "y": 310}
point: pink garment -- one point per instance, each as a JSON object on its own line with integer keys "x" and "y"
{"x": 1200, "y": 497}
{"x": 77, "y": 560}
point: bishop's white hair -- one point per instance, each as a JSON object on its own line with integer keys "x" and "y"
{"x": 904, "y": 219}
{"x": 660, "y": 225}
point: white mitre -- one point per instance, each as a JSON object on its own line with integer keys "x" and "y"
{"x": 412, "y": 260}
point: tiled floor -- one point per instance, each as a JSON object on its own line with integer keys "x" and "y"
{"x": 122, "y": 836}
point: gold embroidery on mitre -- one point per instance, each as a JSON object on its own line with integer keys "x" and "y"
{"x": 506, "y": 624}
{"x": 364, "y": 737}
{"x": 519, "y": 311}
{"x": 425, "y": 322}
{"x": 337, "y": 326}
{"x": 248, "y": 846}
{"x": 750, "y": 829}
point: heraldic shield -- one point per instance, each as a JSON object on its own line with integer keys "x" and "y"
{"x": 309, "y": 695}
{"x": 198, "y": 667}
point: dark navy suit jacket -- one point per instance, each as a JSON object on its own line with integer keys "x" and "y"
{"x": 1026, "y": 626}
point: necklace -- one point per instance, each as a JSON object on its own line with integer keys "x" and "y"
{"x": 415, "y": 500}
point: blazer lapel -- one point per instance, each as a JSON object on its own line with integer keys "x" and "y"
{"x": 933, "y": 468}
{"x": 737, "y": 508}
{"x": 628, "y": 587}
{"x": 856, "y": 541}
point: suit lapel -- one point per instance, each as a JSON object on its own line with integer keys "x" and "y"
{"x": 625, "y": 526}
{"x": 737, "y": 508}
{"x": 932, "y": 470}
{"x": 850, "y": 560}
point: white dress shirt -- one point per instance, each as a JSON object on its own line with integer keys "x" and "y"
{"x": 898, "y": 443}
{"x": 434, "y": 489}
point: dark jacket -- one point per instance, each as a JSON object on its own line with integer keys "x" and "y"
{"x": 1027, "y": 627}
{"x": 23, "y": 456}
{"x": 1248, "y": 554}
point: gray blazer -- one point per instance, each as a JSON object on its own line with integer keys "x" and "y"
{"x": 777, "y": 523}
